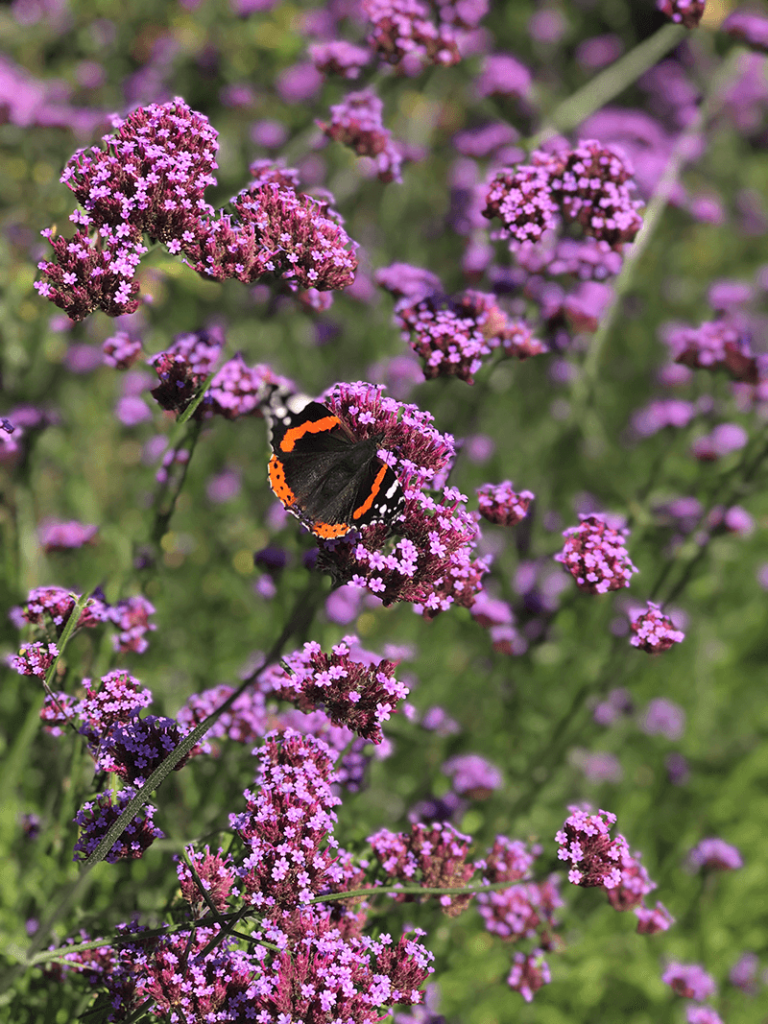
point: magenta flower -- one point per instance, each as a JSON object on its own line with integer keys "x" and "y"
{"x": 503, "y": 75}
{"x": 433, "y": 856}
{"x": 95, "y": 818}
{"x": 634, "y": 886}
{"x": 529, "y": 973}
{"x": 714, "y": 344}
{"x": 131, "y": 617}
{"x": 338, "y": 57}
{"x": 651, "y": 922}
{"x": 743, "y": 974}
{"x": 356, "y": 122}
{"x": 51, "y": 607}
{"x": 749, "y": 28}
{"x": 499, "y": 504}
{"x": 702, "y": 1015}
{"x": 352, "y": 693}
{"x": 684, "y": 12}
{"x": 404, "y": 281}
{"x": 522, "y": 199}
{"x": 118, "y": 698}
{"x": 654, "y": 631}
{"x": 663, "y": 718}
{"x": 714, "y": 855}
{"x": 594, "y": 856}
{"x": 215, "y": 871}
{"x": 55, "y": 535}
{"x": 429, "y": 562}
{"x": 403, "y": 30}
{"x": 690, "y": 981}
{"x": 239, "y": 390}
{"x": 121, "y": 351}
{"x": 58, "y": 710}
{"x": 34, "y": 659}
{"x": 522, "y": 911}
{"x": 471, "y": 775}
{"x": 594, "y": 554}
{"x": 133, "y": 748}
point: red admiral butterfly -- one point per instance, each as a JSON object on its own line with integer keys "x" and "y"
{"x": 331, "y": 480}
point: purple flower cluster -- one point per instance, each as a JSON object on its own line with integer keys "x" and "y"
{"x": 404, "y": 31}
{"x": 433, "y": 856}
{"x": 97, "y": 816}
{"x": 594, "y": 856}
{"x": 121, "y": 351}
{"x": 714, "y": 855}
{"x": 356, "y": 122}
{"x": 216, "y": 872}
{"x": 471, "y": 775}
{"x": 131, "y": 617}
{"x": 683, "y": 12}
{"x": 55, "y": 535}
{"x": 716, "y": 344}
{"x": 690, "y": 981}
{"x": 34, "y": 659}
{"x": 749, "y": 28}
{"x": 338, "y": 57}
{"x": 529, "y": 973}
{"x": 184, "y": 366}
{"x": 150, "y": 180}
{"x": 594, "y": 554}
{"x": 589, "y": 185}
{"x": 499, "y": 504}
{"x": 351, "y": 692}
{"x": 430, "y": 563}
{"x": 654, "y": 631}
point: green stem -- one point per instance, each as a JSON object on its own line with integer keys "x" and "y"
{"x": 608, "y": 84}
{"x": 163, "y": 517}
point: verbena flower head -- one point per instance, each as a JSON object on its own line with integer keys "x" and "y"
{"x": 713, "y": 345}
{"x": 749, "y": 28}
{"x": 522, "y": 911}
{"x": 183, "y": 367}
{"x": 404, "y": 281}
{"x": 338, "y": 57}
{"x": 433, "y": 856}
{"x": 471, "y": 775}
{"x": 55, "y": 535}
{"x": 499, "y": 504}
{"x": 239, "y": 390}
{"x": 131, "y": 617}
{"x": 690, "y": 981}
{"x": 715, "y": 855}
{"x": 288, "y": 824}
{"x": 216, "y": 872}
{"x": 744, "y": 973}
{"x": 134, "y": 748}
{"x": 121, "y": 351}
{"x": 429, "y": 561}
{"x": 97, "y": 816}
{"x": 654, "y": 631}
{"x": 663, "y": 717}
{"x": 522, "y": 199}
{"x": 352, "y": 693}
{"x": 529, "y": 973}
{"x": 34, "y": 659}
{"x": 684, "y": 12}
{"x": 50, "y": 608}
{"x": 503, "y": 75}
{"x": 594, "y": 554}
{"x": 404, "y": 29}
{"x": 651, "y": 922}
{"x": 594, "y": 856}
{"x": 634, "y": 886}
{"x": 58, "y": 710}
{"x": 702, "y": 1015}
{"x": 356, "y": 122}
{"x": 118, "y": 698}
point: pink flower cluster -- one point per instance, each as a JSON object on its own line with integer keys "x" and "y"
{"x": 351, "y": 692}
{"x": 338, "y": 57}
{"x": 150, "y": 180}
{"x": 430, "y": 560}
{"x": 356, "y": 122}
{"x": 34, "y": 659}
{"x": 405, "y": 31}
{"x": 684, "y": 12}
{"x": 589, "y": 185}
{"x": 716, "y": 344}
{"x": 499, "y": 504}
{"x": 60, "y": 536}
{"x": 654, "y": 631}
{"x": 594, "y": 856}
{"x": 432, "y": 856}
{"x": 594, "y": 554}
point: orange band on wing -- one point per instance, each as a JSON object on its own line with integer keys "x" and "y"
{"x": 295, "y": 434}
{"x": 328, "y": 531}
{"x": 278, "y": 482}
{"x": 375, "y": 488}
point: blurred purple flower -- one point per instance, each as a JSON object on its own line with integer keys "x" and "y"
{"x": 651, "y": 922}
{"x": 529, "y": 973}
{"x": 690, "y": 981}
{"x": 618, "y": 702}
{"x": 547, "y": 25}
{"x": 714, "y": 855}
{"x": 503, "y": 75}
{"x": 132, "y": 410}
{"x": 499, "y": 504}
{"x": 749, "y": 28}
{"x": 663, "y": 717}
{"x": 121, "y": 350}
{"x": 338, "y": 57}
{"x": 702, "y": 1015}
{"x": 356, "y": 122}
{"x": 81, "y": 358}
{"x": 437, "y": 720}
{"x": 594, "y": 53}
{"x": 471, "y": 775}
{"x": 224, "y": 486}
{"x": 743, "y": 974}
{"x": 299, "y": 83}
{"x": 269, "y": 134}
{"x": 684, "y": 12}
{"x": 56, "y": 535}
{"x": 677, "y": 769}
{"x": 597, "y": 766}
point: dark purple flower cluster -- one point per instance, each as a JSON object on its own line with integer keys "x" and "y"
{"x": 499, "y": 504}
{"x": 653, "y": 631}
{"x": 360, "y": 695}
{"x": 594, "y": 856}
{"x": 683, "y": 12}
{"x": 34, "y": 659}
{"x": 150, "y": 180}
{"x": 430, "y": 561}
{"x": 405, "y": 31}
{"x": 59, "y": 536}
{"x": 717, "y": 344}
{"x": 433, "y": 856}
{"x": 589, "y": 185}
{"x": 356, "y": 122}
{"x": 183, "y": 367}
{"x": 121, "y": 351}
{"x": 749, "y": 28}
{"x": 714, "y": 854}
{"x": 338, "y": 57}
{"x": 97, "y": 816}
{"x": 594, "y": 554}
{"x": 134, "y": 748}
